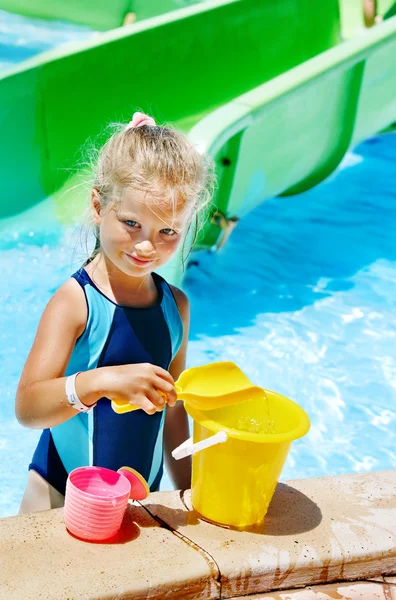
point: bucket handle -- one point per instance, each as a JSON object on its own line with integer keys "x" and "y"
{"x": 187, "y": 448}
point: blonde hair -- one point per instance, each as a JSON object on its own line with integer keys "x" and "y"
{"x": 159, "y": 160}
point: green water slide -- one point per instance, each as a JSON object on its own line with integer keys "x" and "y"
{"x": 289, "y": 134}
{"x": 268, "y": 88}
{"x": 103, "y": 15}
{"x": 180, "y": 67}
{"x": 98, "y": 14}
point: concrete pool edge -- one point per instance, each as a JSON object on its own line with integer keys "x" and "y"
{"x": 317, "y": 531}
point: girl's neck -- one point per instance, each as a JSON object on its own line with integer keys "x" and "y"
{"x": 119, "y": 287}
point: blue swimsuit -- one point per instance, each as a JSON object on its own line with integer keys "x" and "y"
{"x": 114, "y": 335}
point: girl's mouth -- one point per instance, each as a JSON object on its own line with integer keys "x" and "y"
{"x": 140, "y": 261}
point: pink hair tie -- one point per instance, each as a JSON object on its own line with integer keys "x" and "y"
{"x": 139, "y": 119}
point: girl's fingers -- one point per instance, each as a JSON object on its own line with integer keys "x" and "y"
{"x": 156, "y": 399}
{"x": 147, "y": 406}
{"x": 167, "y": 388}
{"x": 164, "y": 375}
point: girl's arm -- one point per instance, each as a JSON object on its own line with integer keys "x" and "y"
{"x": 41, "y": 399}
{"x": 176, "y": 428}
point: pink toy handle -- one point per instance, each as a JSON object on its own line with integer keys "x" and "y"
{"x": 139, "y": 486}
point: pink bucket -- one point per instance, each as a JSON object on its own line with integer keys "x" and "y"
{"x": 96, "y": 500}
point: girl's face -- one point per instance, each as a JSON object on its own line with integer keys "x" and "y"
{"x": 136, "y": 234}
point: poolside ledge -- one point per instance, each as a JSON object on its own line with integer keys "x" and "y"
{"x": 317, "y": 531}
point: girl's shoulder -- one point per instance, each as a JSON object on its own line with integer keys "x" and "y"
{"x": 182, "y": 301}
{"x": 179, "y": 295}
{"x": 69, "y": 302}
{"x": 70, "y": 290}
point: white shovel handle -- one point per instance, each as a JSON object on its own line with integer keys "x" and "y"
{"x": 187, "y": 448}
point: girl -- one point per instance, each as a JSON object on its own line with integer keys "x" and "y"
{"x": 116, "y": 329}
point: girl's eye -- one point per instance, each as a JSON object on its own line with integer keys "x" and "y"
{"x": 169, "y": 232}
{"x": 131, "y": 223}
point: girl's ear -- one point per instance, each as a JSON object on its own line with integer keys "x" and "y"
{"x": 96, "y": 206}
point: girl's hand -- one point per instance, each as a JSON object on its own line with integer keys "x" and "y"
{"x": 139, "y": 385}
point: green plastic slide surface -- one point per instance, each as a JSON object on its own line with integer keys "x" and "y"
{"x": 144, "y": 9}
{"x": 178, "y": 67}
{"x": 105, "y": 14}
{"x": 98, "y": 14}
{"x": 391, "y": 12}
{"x": 290, "y": 133}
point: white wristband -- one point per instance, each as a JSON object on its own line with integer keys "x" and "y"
{"x": 72, "y": 396}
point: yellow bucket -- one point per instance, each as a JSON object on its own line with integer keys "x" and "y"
{"x": 233, "y": 483}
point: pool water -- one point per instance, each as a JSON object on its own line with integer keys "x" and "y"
{"x": 22, "y": 37}
{"x": 305, "y": 304}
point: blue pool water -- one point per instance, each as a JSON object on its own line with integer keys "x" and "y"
{"x": 305, "y": 299}
{"x": 22, "y": 37}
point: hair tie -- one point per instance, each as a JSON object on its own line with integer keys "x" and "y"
{"x": 139, "y": 119}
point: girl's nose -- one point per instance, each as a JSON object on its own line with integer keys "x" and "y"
{"x": 145, "y": 248}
